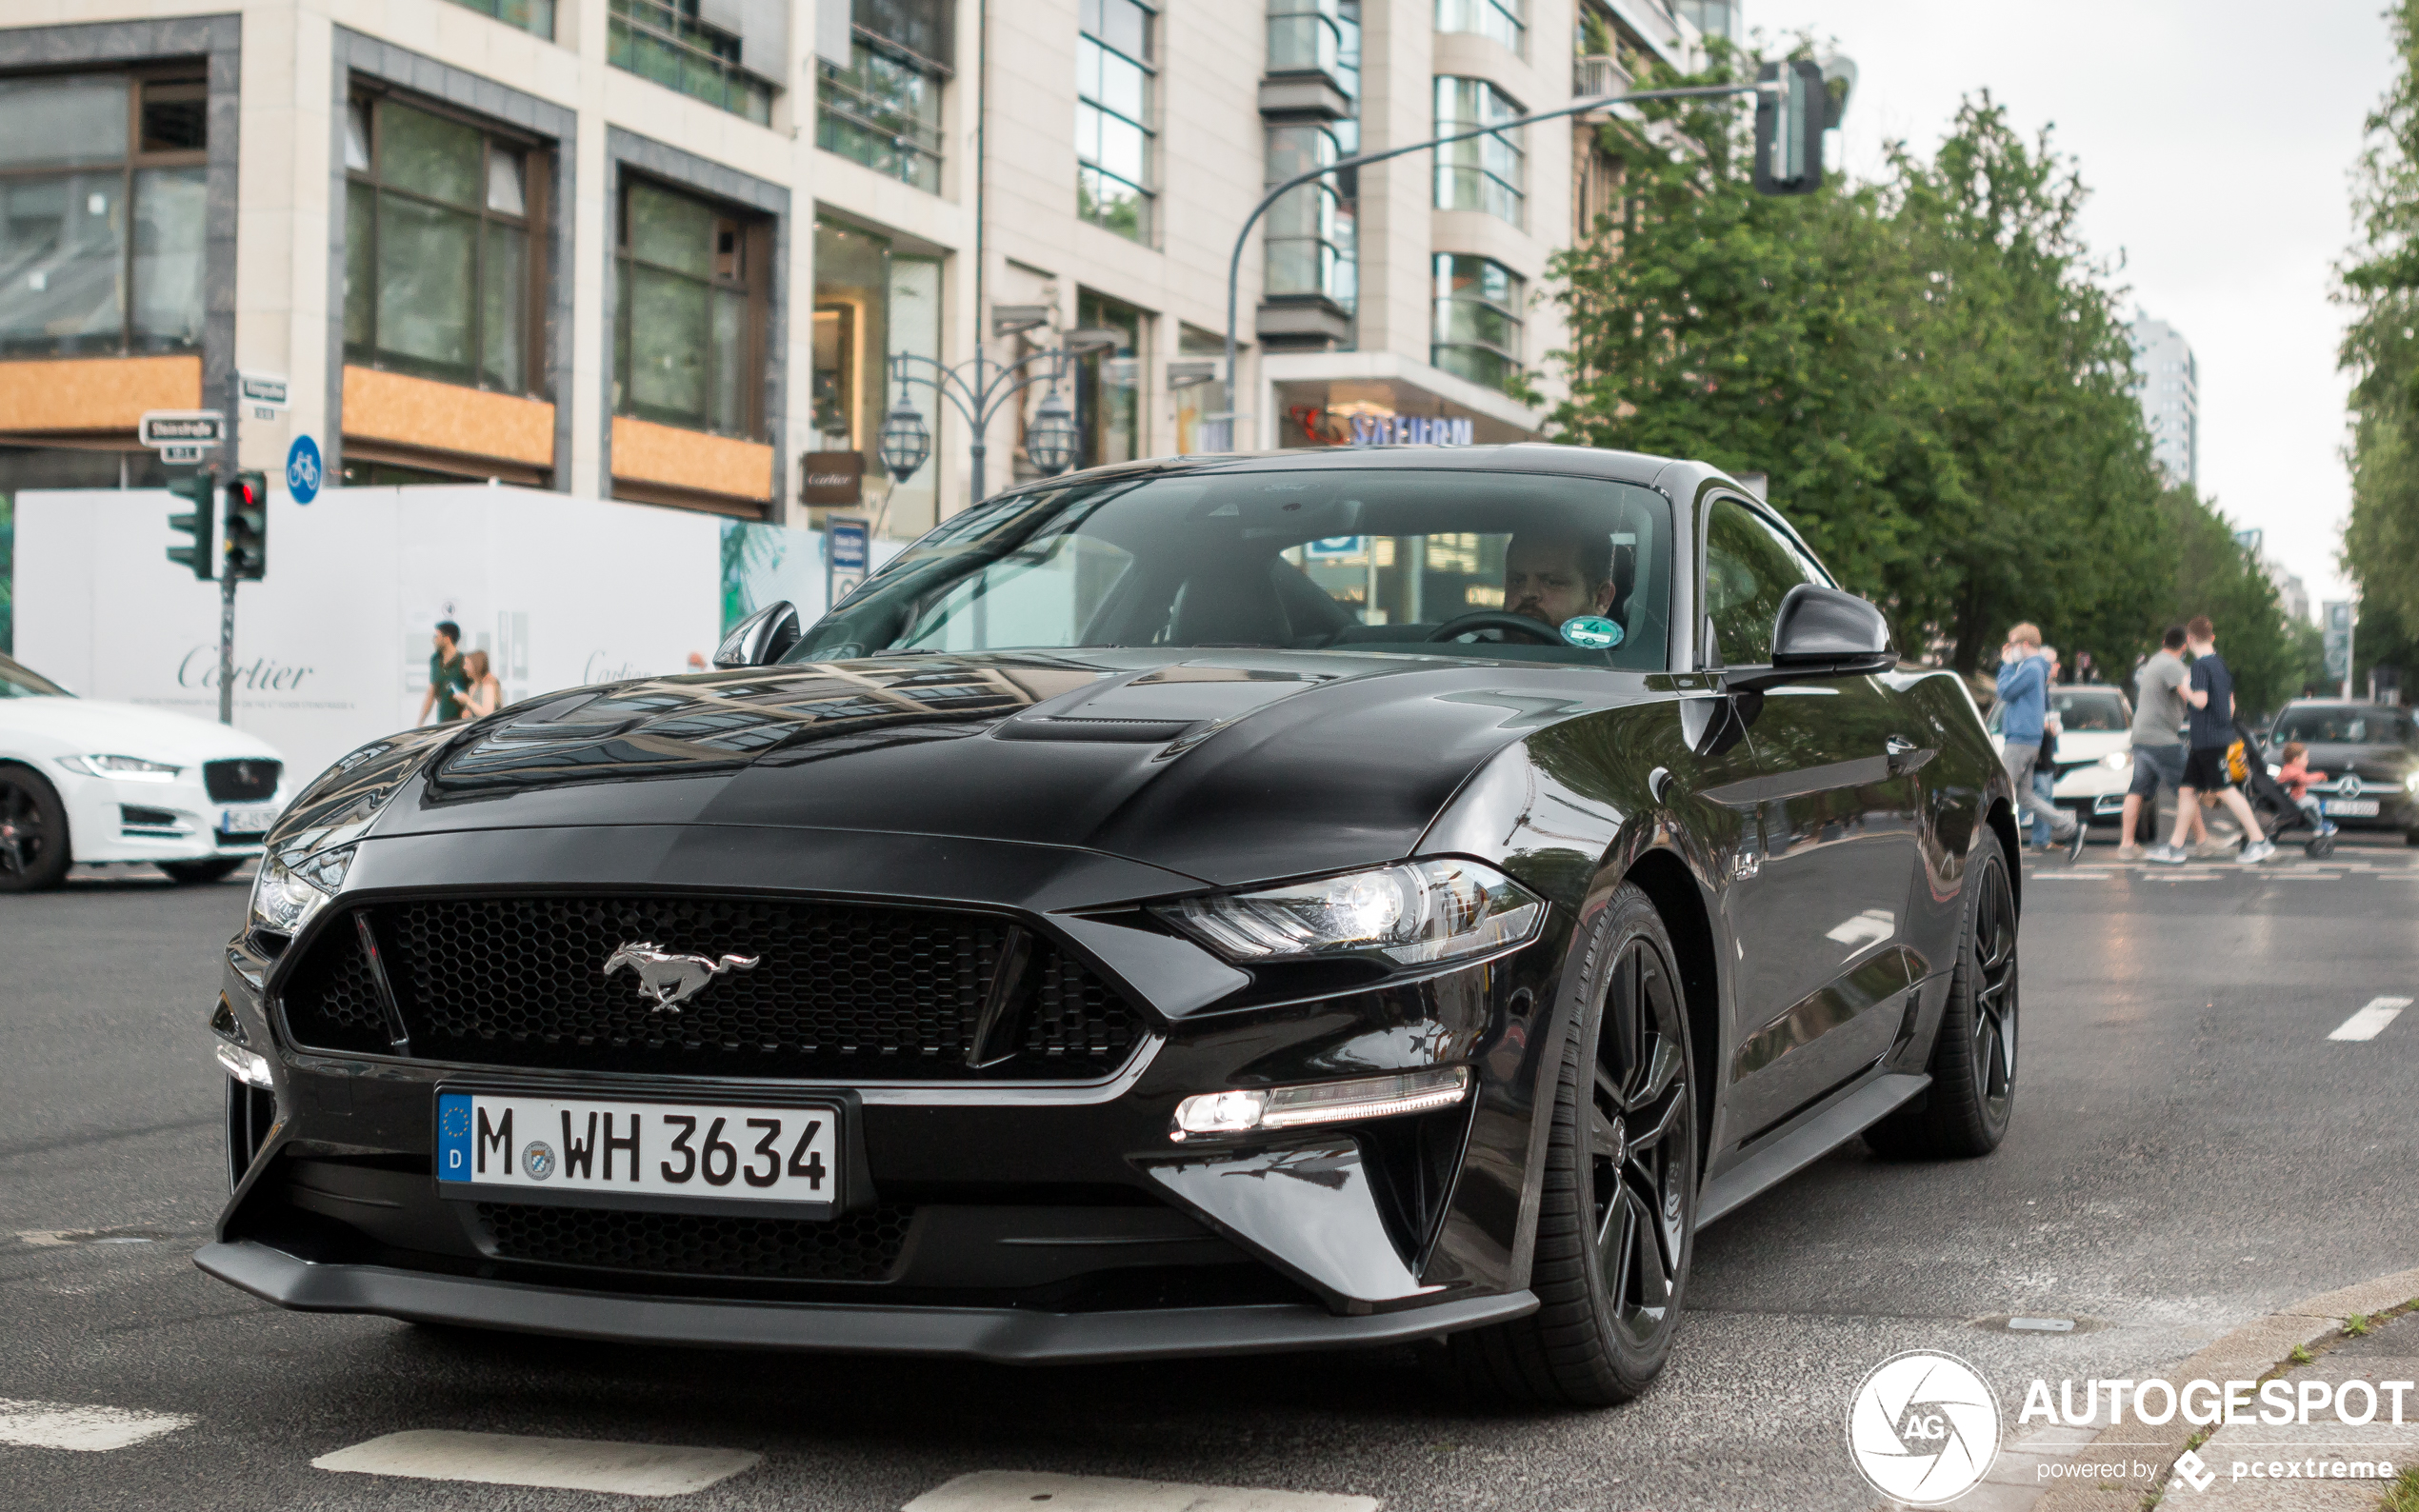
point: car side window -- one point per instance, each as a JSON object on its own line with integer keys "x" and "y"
{"x": 1748, "y": 567}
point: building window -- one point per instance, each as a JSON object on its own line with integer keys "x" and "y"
{"x": 1504, "y": 21}
{"x": 884, "y": 109}
{"x": 1485, "y": 172}
{"x": 688, "y": 339}
{"x": 669, "y": 43}
{"x": 440, "y": 216}
{"x": 1304, "y": 36}
{"x": 1306, "y": 236}
{"x": 1112, "y": 135}
{"x": 1108, "y": 382}
{"x": 103, "y": 186}
{"x": 1478, "y": 306}
{"x": 533, "y": 16}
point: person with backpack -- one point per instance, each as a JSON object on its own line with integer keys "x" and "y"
{"x": 2208, "y": 730}
{"x": 2024, "y": 692}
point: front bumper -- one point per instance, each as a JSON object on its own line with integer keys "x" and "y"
{"x": 1049, "y": 1220}
{"x": 114, "y": 820}
{"x": 1005, "y": 1335}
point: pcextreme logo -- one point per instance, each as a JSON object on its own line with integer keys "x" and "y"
{"x": 1923, "y": 1428}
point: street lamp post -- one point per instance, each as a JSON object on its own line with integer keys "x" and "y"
{"x": 978, "y": 389}
{"x": 1783, "y": 86}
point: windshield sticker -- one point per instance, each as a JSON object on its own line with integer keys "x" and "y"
{"x": 1591, "y": 632}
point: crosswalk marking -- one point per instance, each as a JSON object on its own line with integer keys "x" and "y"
{"x": 67, "y": 1426}
{"x": 570, "y": 1464}
{"x": 1027, "y": 1491}
{"x": 2370, "y": 1020}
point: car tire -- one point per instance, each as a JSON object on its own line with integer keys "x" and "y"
{"x": 189, "y": 873}
{"x": 34, "y": 831}
{"x": 1964, "y": 1112}
{"x": 1612, "y": 1266}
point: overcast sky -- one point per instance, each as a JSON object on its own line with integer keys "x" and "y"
{"x": 2216, "y": 136}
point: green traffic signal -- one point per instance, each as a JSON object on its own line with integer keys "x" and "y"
{"x": 199, "y": 489}
{"x": 248, "y": 527}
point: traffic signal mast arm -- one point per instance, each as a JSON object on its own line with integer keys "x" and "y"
{"x": 1794, "y": 92}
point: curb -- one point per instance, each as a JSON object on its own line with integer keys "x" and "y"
{"x": 2248, "y": 1353}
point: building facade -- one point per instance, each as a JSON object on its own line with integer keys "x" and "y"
{"x": 675, "y": 252}
{"x": 2292, "y": 595}
{"x": 2166, "y": 381}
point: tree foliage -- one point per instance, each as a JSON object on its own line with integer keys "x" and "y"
{"x": 2380, "y": 284}
{"x": 1931, "y": 369}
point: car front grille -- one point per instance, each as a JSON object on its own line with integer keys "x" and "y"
{"x": 837, "y": 990}
{"x": 860, "y": 1245}
{"x": 247, "y": 781}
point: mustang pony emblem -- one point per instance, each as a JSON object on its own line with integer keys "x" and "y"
{"x": 669, "y": 980}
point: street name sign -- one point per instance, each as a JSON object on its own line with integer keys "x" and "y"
{"x": 181, "y": 427}
{"x": 262, "y": 388}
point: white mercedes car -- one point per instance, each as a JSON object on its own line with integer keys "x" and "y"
{"x": 2095, "y": 749}
{"x": 85, "y": 780}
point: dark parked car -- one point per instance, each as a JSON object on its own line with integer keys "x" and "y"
{"x": 1214, "y": 905}
{"x": 2370, "y": 753}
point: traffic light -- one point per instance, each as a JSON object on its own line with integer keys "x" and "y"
{"x": 200, "y": 490}
{"x": 248, "y": 527}
{"x": 1793, "y": 107}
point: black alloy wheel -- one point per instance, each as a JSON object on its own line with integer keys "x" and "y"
{"x": 34, "y": 831}
{"x": 209, "y": 869}
{"x": 1618, "y": 1217}
{"x": 1973, "y": 1061}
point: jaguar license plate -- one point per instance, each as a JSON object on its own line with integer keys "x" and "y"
{"x": 616, "y": 1152}
{"x": 2350, "y": 808}
{"x": 252, "y": 820}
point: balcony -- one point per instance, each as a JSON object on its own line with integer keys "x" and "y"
{"x": 678, "y": 51}
{"x": 1593, "y": 77}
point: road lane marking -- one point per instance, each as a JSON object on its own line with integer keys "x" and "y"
{"x": 2370, "y": 1020}
{"x": 66, "y": 1425}
{"x": 569, "y": 1465}
{"x": 1026, "y": 1491}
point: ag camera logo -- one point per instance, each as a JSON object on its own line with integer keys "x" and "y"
{"x": 1923, "y": 1428}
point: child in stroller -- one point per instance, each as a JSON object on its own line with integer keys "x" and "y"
{"x": 2279, "y": 809}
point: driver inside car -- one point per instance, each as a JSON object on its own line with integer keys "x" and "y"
{"x": 1556, "y": 578}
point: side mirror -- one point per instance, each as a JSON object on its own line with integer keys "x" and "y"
{"x": 761, "y": 639}
{"x": 1817, "y": 625}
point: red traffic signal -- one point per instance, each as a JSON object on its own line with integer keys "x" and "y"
{"x": 248, "y": 527}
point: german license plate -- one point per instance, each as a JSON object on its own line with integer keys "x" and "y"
{"x": 513, "y": 1145}
{"x": 2350, "y": 808}
{"x": 252, "y": 820}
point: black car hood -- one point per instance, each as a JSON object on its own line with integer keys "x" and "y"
{"x": 1226, "y": 765}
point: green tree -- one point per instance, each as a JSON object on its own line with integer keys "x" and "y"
{"x": 2380, "y": 285}
{"x": 1930, "y": 369}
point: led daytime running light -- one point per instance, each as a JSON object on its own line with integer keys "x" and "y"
{"x": 248, "y": 1066}
{"x": 122, "y": 769}
{"x": 1416, "y": 913}
{"x": 1249, "y": 1110}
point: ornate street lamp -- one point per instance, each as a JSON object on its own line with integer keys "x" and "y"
{"x": 1050, "y": 436}
{"x": 905, "y": 441}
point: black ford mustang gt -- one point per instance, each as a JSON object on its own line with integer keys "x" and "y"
{"x": 1212, "y": 905}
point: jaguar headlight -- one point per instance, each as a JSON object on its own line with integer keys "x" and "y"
{"x": 124, "y": 768}
{"x": 1418, "y": 913}
{"x": 286, "y": 895}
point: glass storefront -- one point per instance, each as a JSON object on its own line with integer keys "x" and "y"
{"x": 1108, "y": 382}
{"x": 871, "y": 301}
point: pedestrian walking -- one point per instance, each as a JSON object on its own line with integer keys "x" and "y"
{"x": 2045, "y": 768}
{"x": 2024, "y": 692}
{"x": 2158, "y": 736}
{"x": 2208, "y": 730}
{"x": 446, "y": 675}
{"x": 483, "y": 695}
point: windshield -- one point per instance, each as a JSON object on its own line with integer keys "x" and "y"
{"x": 2091, "y": 708}
{"x": 2344, "y": 725}
{"x": 1457, "y": 562}
{"x": 18, "y": 682}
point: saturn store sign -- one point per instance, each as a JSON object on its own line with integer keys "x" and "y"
{"x": 1318, "y": 426}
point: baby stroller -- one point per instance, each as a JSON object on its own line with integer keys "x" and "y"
{"x": 2271, "y": 799}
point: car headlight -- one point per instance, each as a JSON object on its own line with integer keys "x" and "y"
{"x": 1251, "y": 1109}
{"x": 2117, "y": 760}
{"x": 286, "y": 895}
{"x": 125, "y": 768}
{"x": 2411, "y": 784}
{"x": 1417, "y": 913}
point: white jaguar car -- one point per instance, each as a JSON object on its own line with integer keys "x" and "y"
{"x": 84, "y": 780}
{"x": 2095, "y": 749}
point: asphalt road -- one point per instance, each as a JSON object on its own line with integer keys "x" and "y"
{"x": 2190, "y": 1151}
